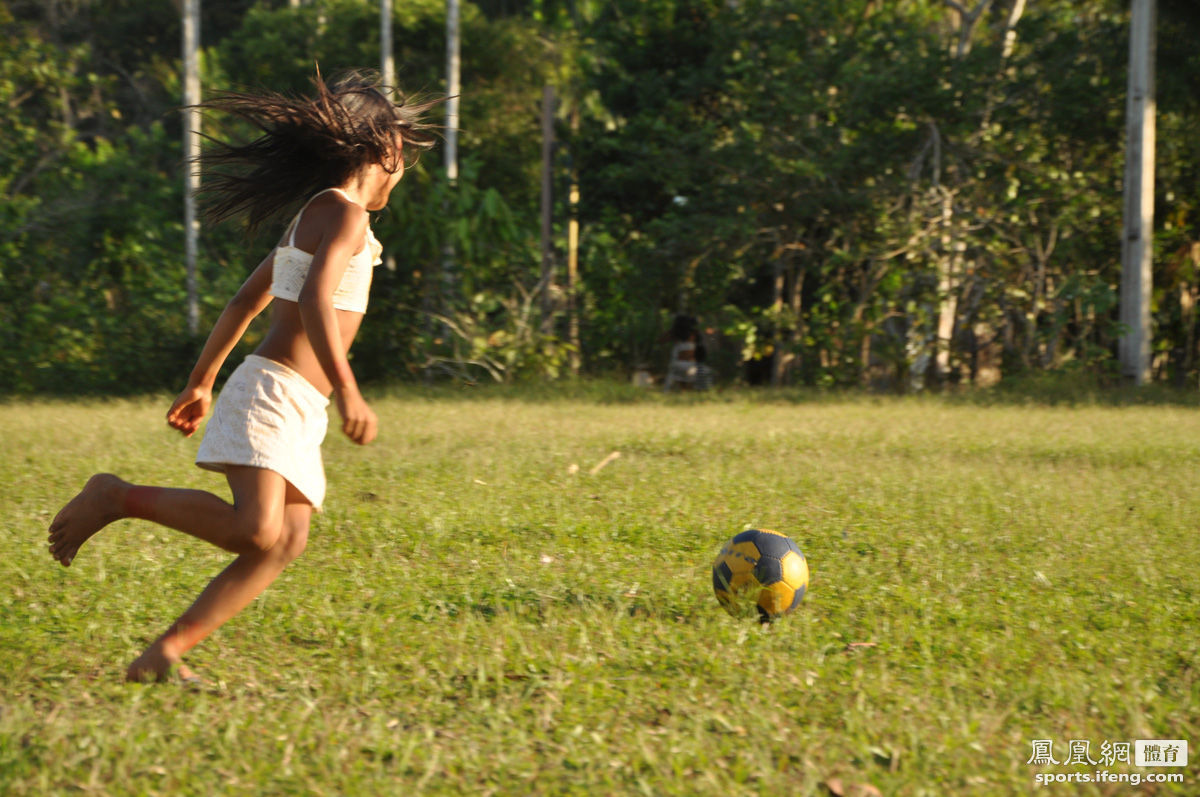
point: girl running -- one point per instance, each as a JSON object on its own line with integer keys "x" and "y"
{"x": 340, "y": 153}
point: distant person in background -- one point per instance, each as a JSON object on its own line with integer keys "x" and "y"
{"x": 684, "y": 336}
{"x": 704, "y": 374}
{"x": 337, "y": 155}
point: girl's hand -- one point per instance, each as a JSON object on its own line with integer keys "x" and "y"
{"x": 188, "y": 410}
{"x": 358, "y": 420}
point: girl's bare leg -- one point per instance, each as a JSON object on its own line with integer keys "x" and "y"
{"x": 251, "y": 523}
{"x": 231, "y": 591}
{"x": 267, "y": 525}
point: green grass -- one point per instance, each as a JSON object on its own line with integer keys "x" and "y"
{"x": 473, "y": 617}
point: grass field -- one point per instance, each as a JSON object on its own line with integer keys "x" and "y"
{"x": 477, "y": 615}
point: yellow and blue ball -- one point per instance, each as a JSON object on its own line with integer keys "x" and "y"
{"x": 762, "y": 565}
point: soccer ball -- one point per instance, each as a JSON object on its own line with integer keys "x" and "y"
{"x": 762, "y": 565}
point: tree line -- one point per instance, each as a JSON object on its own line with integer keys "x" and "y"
{"x": 891, "y": 194}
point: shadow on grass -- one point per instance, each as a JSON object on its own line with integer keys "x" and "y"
{"x": 533, "y": 605}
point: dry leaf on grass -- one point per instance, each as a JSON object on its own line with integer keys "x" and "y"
{"x": 838, "y": 789}
{"x": 600, "y": 465}
{"x": 856, "y": 645}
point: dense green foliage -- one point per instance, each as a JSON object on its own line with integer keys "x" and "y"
{"x": 472, "y": 616}
{"x": 825, "y": 184}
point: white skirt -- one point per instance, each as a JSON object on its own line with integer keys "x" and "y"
{"x": 269, "y": 416}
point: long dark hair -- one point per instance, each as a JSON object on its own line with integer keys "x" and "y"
{"x": 684, "y": 328}
{"x": 307, "y": 144}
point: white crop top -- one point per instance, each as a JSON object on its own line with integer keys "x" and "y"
{"x": 291, "y": 265}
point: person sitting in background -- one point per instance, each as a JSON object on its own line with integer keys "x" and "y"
{"x": 704, "y": 374}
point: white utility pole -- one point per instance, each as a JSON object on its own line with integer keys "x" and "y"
{"x": 452, "y": 90}
{"x": 387, "y": 69}
{"x": 387, "y": 60}
{"x": 191, "y": 152}
{"x": 1137, "y": 241}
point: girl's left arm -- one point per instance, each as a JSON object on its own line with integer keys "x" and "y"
{"x": 251, "y": 299}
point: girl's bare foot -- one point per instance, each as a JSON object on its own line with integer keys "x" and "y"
{"x": 97, "y": 505}
{"x": 156, "y": 665}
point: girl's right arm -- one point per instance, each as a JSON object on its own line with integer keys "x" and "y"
{"x": 250, "y": 300}
{"x": 343, "y": 233}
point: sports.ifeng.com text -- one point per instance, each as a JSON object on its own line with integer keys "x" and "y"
{"x": 1104, "y": 776}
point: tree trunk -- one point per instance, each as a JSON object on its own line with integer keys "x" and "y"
{"x": 952, "y": 246}
{"x": 795, "y": 301}
{"x": 573, "y": 257}
{"x": 1010, "y": 28}
{"x": 947, "y": 295}
{"x": 778, "y": 363}
{"x": 547, "y": 208}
